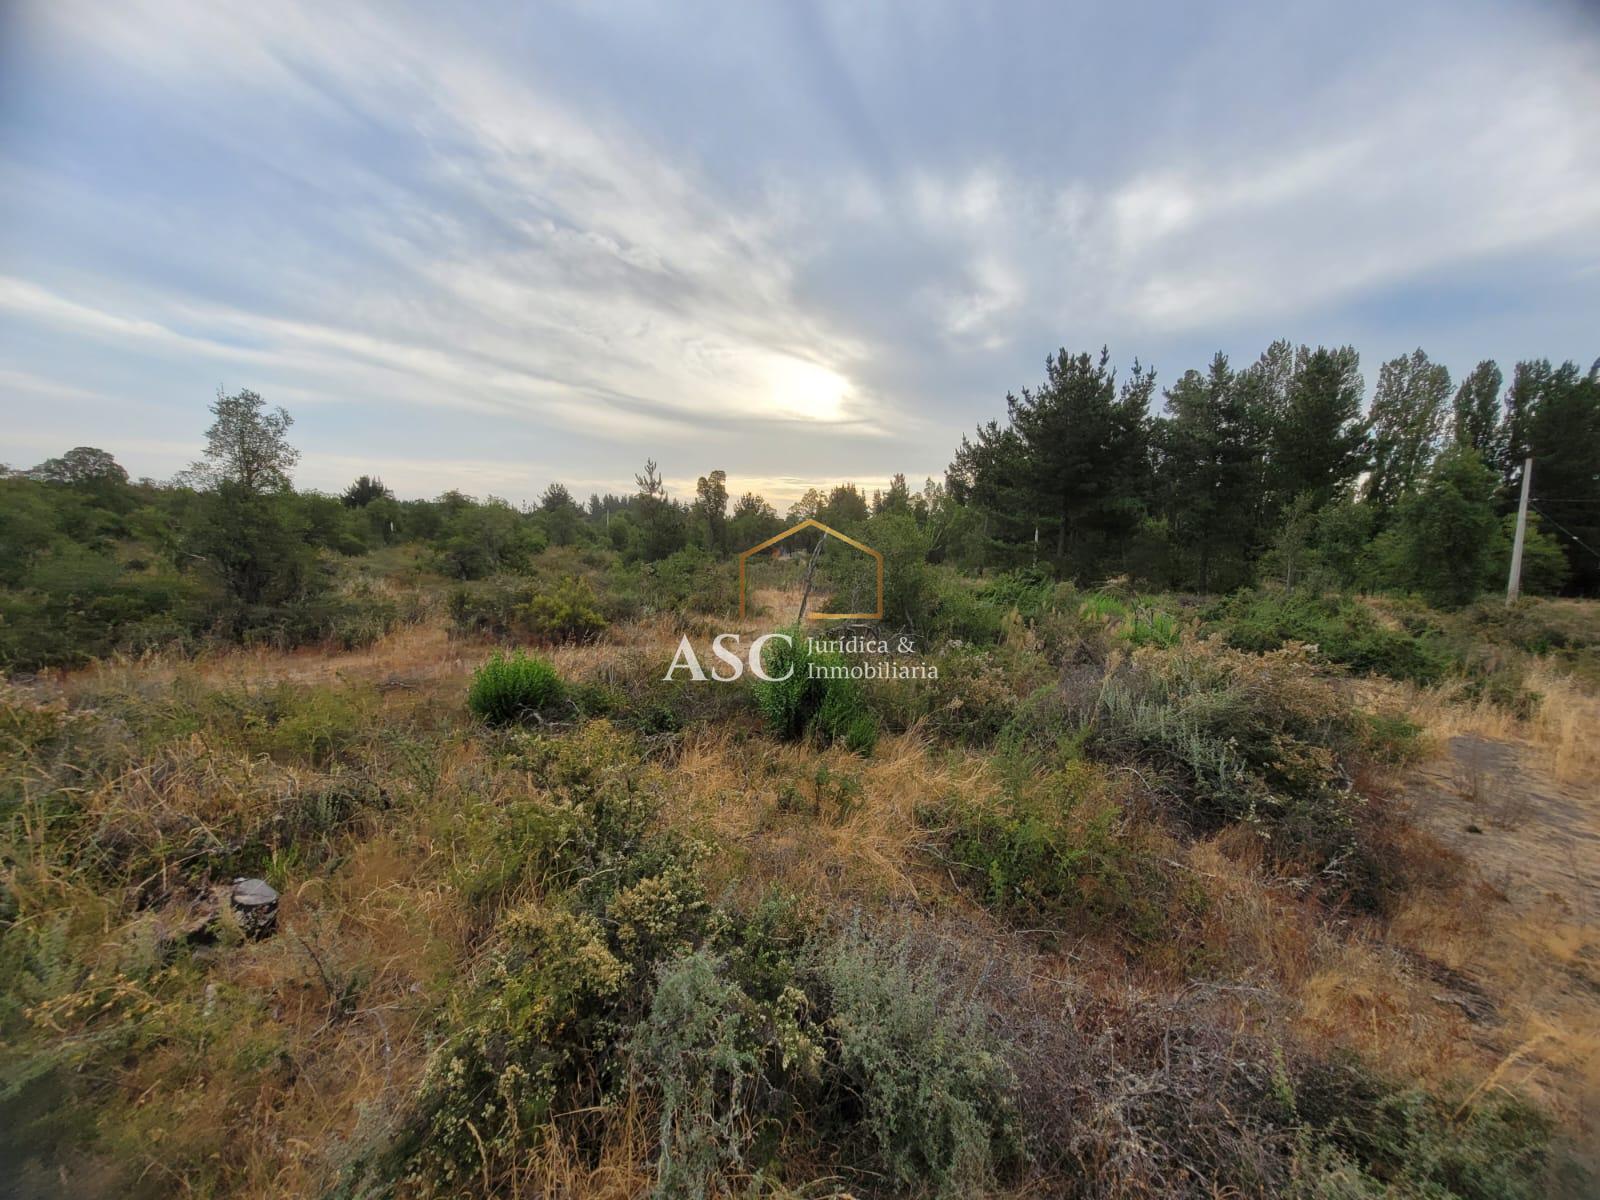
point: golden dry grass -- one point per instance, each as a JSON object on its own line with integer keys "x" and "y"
{"x": 389, "y": 910}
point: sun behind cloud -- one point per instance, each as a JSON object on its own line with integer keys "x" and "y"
{"x": 808, "y": 390}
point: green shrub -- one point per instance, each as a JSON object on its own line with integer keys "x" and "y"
{"x": 718, "y": 1058}
{"x": 934, "y": 1091}
{"x": 507, "y": 689}
{"x": 1259, "y": 740}
{"x": 566, "y": 613}
{"x": 1344, "y": 631}
{"x": 490, "y": 606}
{"x": 1057, "y": 850}
{"x": 539, "y": 1011}
{"x": 809, "y": 697}
{"x": 1029, "y": 591}
{"x": 1386, "y": 1144}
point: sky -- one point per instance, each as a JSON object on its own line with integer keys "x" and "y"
{"x": 492, "y": 246}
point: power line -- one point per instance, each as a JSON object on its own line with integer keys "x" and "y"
{"x": 1566, "y": 531}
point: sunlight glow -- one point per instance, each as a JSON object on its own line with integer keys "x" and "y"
{"x": 798, "y": 388}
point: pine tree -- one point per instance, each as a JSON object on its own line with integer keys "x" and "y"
{"x": 1210, "y": 446}
{"x": 1319, "y": 443}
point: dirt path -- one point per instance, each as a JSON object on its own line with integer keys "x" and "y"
{"x": 1531, "y": 837}
{"x": 1522, "y": 942}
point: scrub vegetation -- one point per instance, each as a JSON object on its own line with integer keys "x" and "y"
{"x": 1148, "y": 886}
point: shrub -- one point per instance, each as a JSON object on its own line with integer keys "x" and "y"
{"x": 934, "y": 1090}
{"x": 1258, "y": 740}
{"x": 689, "y": 580}
{"x": 717, "y": 1057}
{"x": 539, "y": 1011}
{"x": 1343, "y": 631}
{"x": 491, "y": 606}
{"x": 507, "y": 689}
{"x": 1386, "y": 1143}
{"x": 808, "y": 697}
{"x": 1029, "y": 591}
{"x": 1058, "y": 849}
{"x": 566, "y": 613}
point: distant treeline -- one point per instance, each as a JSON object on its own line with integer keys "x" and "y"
{"x": 1277, "y": 471}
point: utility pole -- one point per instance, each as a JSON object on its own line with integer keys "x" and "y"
{"x": 1514, "y": 584}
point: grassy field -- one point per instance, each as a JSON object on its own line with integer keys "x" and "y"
{"x": 1142, "y": 896}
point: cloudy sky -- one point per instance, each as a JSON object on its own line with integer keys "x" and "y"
{"x": 490, "y": 246}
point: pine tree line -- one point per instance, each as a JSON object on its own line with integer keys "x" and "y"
{"x": 1280, "y": 468}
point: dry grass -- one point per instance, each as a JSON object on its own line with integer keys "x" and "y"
{"x": 1461, "y": 985}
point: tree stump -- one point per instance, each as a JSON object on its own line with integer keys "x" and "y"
{"x": 256, "y": 905}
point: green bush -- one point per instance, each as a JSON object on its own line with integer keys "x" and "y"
{"x": 540, "y": 1009}
{"x": 566, "y": 613}
{"x": 1387, "y": 1144}
{"x": 507, "y": 689}
{"x": 492, "y": 606}
{"x": 1057, "y": 851}
{"x": 935, "y": 1093}
{"x": 718, "y": 1058}
{"x": 1344, "y": 631}
{"x": 1258, "y": 740}
{"x": 807, "y": 697}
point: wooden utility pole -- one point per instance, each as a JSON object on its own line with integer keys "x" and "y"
{"x": 1514, "y": 584}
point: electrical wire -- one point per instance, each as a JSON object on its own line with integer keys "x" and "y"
{"x": 1564, "y": 529}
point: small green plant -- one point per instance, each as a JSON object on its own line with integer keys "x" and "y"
{"x": 809, "y": 694}
{"x": 510, "y": 688}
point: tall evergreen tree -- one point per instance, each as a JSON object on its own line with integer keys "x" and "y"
{"x": 1210, "y": 445}
{"x": 1558, "y": 425}
{"x": 1086, "y": 449}
{"x": 1407, "y": 422}
{"x": 1319, "y": 444}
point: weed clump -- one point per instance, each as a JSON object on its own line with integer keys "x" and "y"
{"x": 510, "y": 688}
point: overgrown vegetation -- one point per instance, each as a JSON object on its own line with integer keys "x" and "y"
{"x": 1055, "y": 915}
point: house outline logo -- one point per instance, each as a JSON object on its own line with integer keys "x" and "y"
{"x": 813, "y": 523}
